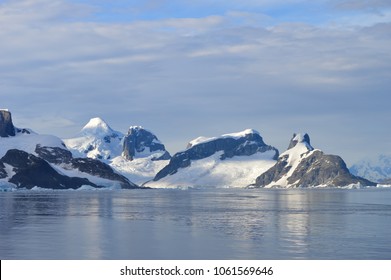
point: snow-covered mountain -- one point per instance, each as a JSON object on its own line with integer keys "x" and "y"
{"x": 138, "y": 155}
{"x": 29, "y": 160}
{"x": 233, "y": 160}
{"x": 96, "y": 140}
{"x": 102, "y": 157}
{"x": 303, "y": 166}
{"x": 377, "y": 170}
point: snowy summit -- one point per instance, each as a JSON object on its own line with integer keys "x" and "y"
{"x": 96, "y": 126}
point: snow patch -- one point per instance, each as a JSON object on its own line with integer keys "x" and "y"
{"x": 383, "y": 186}
{"x": 86, "y": 188}
{"x": 9, "y": 170}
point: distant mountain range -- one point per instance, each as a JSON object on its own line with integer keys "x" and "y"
{"x": 377, "y": 170}
{"x": 100, "y": 157}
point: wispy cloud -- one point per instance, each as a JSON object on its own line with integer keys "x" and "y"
{"x": 189, "y": 76}
{"x": 366, "y": 5}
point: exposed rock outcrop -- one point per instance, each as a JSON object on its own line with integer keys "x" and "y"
{"x": 102, "y": 170}
{"x": 140, "y": 142}
{"x": 302, "y": 166}
{"x": 89, "y": 166}
{"x": 31, "y": 171}
{"x": 6, "y": 126}
{"x": 3, "y": 173}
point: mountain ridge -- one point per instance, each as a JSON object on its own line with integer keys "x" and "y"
{"x": 103, "y": 157}
{"x": 227, "y": 160}
{"x": 377, "y": 170}
{"x": 30, "y": 160}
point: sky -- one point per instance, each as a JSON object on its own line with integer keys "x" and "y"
{"x": 185, "y": 69}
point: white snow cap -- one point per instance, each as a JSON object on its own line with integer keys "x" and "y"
{"x": 136, "y": 127}
{"x": 300, "y": 139}
{"x": 236, "y": 135}
{"x": 96, "y": 125}
{"x": 242, "y": 133}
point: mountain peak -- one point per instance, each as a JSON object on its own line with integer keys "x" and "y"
{"x": 302, "y": 166}
{"x": 242, "y": 133}
{"x": 140, "y": 142}
{"x": 6, "y": 126}
{"x": 302, "y": 140}
{"x": 96, "y": 126}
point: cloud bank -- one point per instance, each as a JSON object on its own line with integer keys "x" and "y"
{"x": 220, "y": 71}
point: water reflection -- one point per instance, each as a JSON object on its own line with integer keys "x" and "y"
{"x": 196, "y": 224}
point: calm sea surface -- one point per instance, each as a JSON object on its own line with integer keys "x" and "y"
{"x": 196, "y": 224}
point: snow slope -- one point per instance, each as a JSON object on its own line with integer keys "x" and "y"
{"x": 28, "y": 142}
{"x": 139, "y": 170}
{"x": 238, "y": 172}
{"x": 231, "y": 160}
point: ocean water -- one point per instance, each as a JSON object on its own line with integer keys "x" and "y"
{"x": 196, "y": 224}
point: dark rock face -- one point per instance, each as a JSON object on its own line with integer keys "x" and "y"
{"x": 33, "y": 171}
{"x": 6, "y": 126}
{"x": 386, "y": 181}
{"x": 297, "y": 138}
{"x": 87, "y": 165}
{"x": 314, "y": 169}
{"x": 139, "y": 139}
{"x": 230, "y": 146}
{"x": 54, "y": 155}
{"x": 273, "y": 174}
{"x": 100, "y": 169}
{"x": 3, "y": 173}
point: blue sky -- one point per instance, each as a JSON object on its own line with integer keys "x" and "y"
{"x": 189, "y": 68}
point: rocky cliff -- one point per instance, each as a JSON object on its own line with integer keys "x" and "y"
{"x": 6, "y": 126}
{"x": 303, "y": 166}
{"x": 140, "y": 142}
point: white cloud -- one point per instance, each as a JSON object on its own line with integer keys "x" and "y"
{"x": 193, "y": 76}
